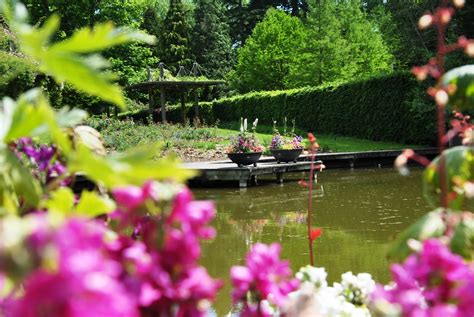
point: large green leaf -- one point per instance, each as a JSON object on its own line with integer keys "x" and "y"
{"x": 132, "y": 167}
{"x": 462, "y": 241}
{"x": 429, "y": 226}
{"x": 18, "y": 187}
{"x": 459, "y": 169}
{"x": 92, "y": 204}
{"x": 62, "y": 203}
{"x": 32, "y": 116}
{"x": 103, "y": 36}
{"x": 462, "y": 78}
{"x": 70, "y": 60}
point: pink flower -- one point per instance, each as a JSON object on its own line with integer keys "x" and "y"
{"x": 434, "y": 282}
{"x": 265, "y": 275}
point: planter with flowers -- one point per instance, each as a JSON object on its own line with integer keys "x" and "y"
{"x": 245, "y": 149}
{"x": 286, "y": 147}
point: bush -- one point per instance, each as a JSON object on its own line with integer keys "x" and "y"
{"x": 16, "y": 74}
{"x": 390, "y": 108}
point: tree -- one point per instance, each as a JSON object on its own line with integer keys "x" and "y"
{"x": 175, "y": 36}
{"x": 211, "y": 42}
{"x": 264, "y": 61}
{"x": 341, "y": 44}
{"x": 322, "y": 52}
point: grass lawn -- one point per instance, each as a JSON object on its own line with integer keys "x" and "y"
{"x": 210, "y": 142}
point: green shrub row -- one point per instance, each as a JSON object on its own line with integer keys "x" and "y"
{"x": 390, "y": 108}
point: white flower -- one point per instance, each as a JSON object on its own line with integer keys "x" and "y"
{"x": 255, "y": 123}
{"x": 315, "y": 276}
{"x": 245, "y": 124}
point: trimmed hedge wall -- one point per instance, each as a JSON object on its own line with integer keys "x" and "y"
{"x": 391, "y": 108}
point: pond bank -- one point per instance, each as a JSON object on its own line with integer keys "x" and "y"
{"x": 223, "y": 172}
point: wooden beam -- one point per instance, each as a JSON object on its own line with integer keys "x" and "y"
{"x": 183, "y": 107}
{"x": 196, "y": 105}
{"x": 163, "y": 105}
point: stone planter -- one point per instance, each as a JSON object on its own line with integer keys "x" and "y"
{"x": 242, "y": 159}
{"x": 286, "y": 155}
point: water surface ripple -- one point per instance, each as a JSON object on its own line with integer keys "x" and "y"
{"x": 359, "y": 210}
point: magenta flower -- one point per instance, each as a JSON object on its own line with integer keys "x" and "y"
{"x": 434, "y": 282}
{"x": 74, "y": 275}
{"x": 265, "y": 276}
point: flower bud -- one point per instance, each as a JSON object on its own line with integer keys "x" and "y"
{"x": 441, "y": 97}
{"x": 458, "y": 3}
{"x": 469, "y": 50}
{"x": 444, "y": 15}
{"x": 425, "y": 21}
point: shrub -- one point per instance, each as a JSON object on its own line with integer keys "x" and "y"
{"x": 389, "y": 108}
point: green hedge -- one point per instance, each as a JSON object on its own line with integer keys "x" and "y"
{"x": 390, "y": 108}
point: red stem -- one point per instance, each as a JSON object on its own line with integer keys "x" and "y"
{"x": 310, "y": 206}
{"x": 440, "y": 56}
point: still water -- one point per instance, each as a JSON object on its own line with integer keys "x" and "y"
{"x": 359, "y": 210}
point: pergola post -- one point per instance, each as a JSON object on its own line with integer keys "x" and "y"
{"x": 151, "y": 101}
{"x": 183, "y": 107}
{"x": 163, "y": 107}
{"x": 196, "y": 104}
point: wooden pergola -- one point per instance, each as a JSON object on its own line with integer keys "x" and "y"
{"x": 162, "y": 85}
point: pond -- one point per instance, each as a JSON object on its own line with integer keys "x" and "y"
{"x": 359, "y": 210}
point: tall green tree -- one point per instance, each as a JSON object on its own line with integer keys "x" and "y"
{"x": 176, "y": 46}
{"x": 341, "y": 44}
{"x": 323, "y": 50}
{"x": 211, "y": 42}
{"x": 264, "y": 61}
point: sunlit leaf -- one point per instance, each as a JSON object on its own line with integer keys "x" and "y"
{"x": 462, "y": 80}
{"x": 17, "y": 183}
{"x": 70, "y": 60}
{"x": 92, "y": 204}
{"x": 462, "y": 241}
{"x": 102, "y": 36}
{"x": 429, "y": 226}
{"x": 132, "y": 167}
{"x": 459, "y": 168}
{"x": 60, "y": 201}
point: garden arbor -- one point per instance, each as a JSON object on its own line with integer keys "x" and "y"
{"x": 181, "y": 83}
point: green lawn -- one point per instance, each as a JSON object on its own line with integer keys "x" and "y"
{"x": 122, "y": 134}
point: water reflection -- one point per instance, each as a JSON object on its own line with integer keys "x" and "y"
{"x": 359, "y": 211}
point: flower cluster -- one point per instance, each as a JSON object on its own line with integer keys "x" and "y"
{"x": 280, "y": 142}
{"x": 265, "y": 277}
{"x": 434, "y": 282}
{"x": 71, "y": 273}
{"x": 348, "y": 298}
{"x": 45, "y": 160}
{"x": 81, "y": 268}
{"x": 175, "y": 283}
{"x": 245, "y": 142}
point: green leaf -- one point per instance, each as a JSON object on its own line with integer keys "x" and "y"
{"x": 83, "y": 74}
{"x": 61, "y": 201}
{"x": 93, "y": 205}
{"x": 429, "y": 226}
{"x": 17, "y": 185}
{"x": 70, "y": 60}
{"x": 462, "y": 241}
{"x": 32, "y": 116}
{"x": 459, "y": 168}
{"x": 462, "y": 78}
{"x": 101, "y": 37}
{"x": 132, "y": 167}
